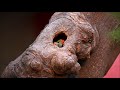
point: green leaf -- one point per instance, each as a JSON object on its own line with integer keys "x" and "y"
{"x": 116, "y": 14}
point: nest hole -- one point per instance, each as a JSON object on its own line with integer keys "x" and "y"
{"x": 59, "y": 39}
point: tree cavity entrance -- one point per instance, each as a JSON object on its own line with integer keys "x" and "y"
{"x": 59, "y": 39}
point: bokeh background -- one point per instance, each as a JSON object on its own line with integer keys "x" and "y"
{"x": 17, "y": 31}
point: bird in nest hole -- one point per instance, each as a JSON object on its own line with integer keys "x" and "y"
{"x": 59, "y": 43}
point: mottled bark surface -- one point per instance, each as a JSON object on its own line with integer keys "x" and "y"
{"x": 87, "y": 50}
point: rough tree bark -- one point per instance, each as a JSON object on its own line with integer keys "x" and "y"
{"x": 88, "y": 52}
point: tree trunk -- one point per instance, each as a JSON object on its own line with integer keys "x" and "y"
{"x": 87, "y": 50}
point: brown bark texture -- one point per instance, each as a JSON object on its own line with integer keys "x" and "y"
{"x": 87, "y": 52}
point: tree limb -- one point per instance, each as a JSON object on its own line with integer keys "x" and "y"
{"x": 85, "y": 40}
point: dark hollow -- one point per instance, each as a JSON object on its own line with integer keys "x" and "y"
{"x": 60, "y": 36}
{"x": 81, "y": 62}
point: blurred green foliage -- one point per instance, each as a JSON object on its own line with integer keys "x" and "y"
{"x": 116, "y": 14}
{"x": 115, "y": 34}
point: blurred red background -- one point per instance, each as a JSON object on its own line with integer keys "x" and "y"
{"x": 41, "y": 19}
